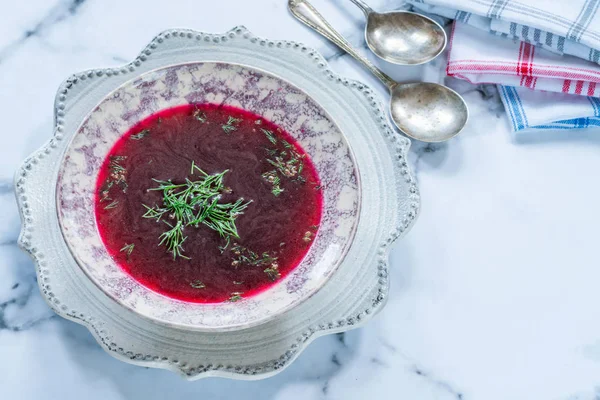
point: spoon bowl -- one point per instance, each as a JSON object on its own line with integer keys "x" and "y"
{"x": 428, "y": 112}
{"x": 403, "y": 37}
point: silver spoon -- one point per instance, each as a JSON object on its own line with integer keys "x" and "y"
{"x": 402, "y": 37}
{"x": 424, "y": 111}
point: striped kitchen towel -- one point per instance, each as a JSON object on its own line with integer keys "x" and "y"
{"x": 543, "y": 55}
{"x": 537, "y": 109}
{"x": 484, "y": 58}
{"x": 563, "y": 27}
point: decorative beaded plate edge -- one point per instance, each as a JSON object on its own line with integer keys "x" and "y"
{"x": 352, "y": 296}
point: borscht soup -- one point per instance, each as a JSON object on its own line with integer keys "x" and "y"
{"x": 207, "y": 203}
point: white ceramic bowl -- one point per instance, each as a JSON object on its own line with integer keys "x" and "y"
{"x": 221, "y": 83}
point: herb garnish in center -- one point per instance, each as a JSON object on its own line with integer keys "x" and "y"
{"x": 192, "y": 204}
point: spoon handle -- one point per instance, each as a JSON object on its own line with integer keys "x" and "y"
{"x": 307, "y": 14}
{"x": 363, "y": 6}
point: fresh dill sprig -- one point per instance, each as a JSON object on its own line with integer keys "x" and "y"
{"x": 154, "y": 212}
{"x": 269, "y": 135}
{"x": 197, "y": 168}
{"x": 128, "y": 248}
{"x": 173, "y": 239}
{"x": 140, "y": 135}
{"x": 196, "y": 203}
{"x": 230, "y": 125}
{"x": 197, "y": 284}
{"x": 227, "y": 242}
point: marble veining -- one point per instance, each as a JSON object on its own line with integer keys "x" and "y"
{"x": 493, "y": 293}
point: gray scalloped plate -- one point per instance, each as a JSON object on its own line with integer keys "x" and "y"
{"x": 348, "y": 298}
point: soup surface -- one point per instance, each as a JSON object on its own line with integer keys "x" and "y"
{"x": 207, "y": 203}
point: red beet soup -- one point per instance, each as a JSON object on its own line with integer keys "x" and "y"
{"x": 207, "y": 203}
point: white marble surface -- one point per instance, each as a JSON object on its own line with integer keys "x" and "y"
{"x": 495, "y": 292}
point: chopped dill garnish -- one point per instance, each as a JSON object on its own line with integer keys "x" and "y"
{"x": 197, "y": 284}
{"x": 111, "y": 205}
{"x": 300, "y": 179}
{"x": 271, "y": 152}
{"x": 248, "y": 257}
{"x": 269, "y": 135}
{"x": 277, "y": 190}
{"x": 194, "y": 203}
{"x": 128, "y": 248}
{"x": 118, "y": 173}
{"x": 230, "y": 125}
{"x": 273, "y": 272}
{"x": 235, "y": 296}
{"x": 272, "y": 178}
{"x": 288, "y": 163}
{"x": 199, "y": 115}
{"x": 288, "y": 168}
{"x": 308, "y": 235}
{"x": 140, "y": 135}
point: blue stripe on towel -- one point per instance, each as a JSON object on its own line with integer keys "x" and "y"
{"x": 576, "y": 123}
{"x": 520, "y": 111}
{"x": 595, "y": 105}
{"x": 511, "y": 111}
{"x": 518, "y": 116}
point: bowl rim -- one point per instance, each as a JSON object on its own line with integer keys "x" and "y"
{"x": 229, "y": 327}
